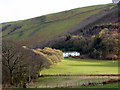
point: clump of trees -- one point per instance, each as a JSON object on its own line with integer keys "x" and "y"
{"x": 103, "y": 45}
{"x": 21, "y": 64}
{"x": 53, "y": 56}
{"x": 106, "y": 47}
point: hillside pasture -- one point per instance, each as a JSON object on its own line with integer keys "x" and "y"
{"x": 35, "y": 30}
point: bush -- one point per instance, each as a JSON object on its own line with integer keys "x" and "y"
{"x": 52, "y": 55}
{"x": 111, "y": 57}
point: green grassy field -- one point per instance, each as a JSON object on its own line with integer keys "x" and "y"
{"x": 83, "y": 66}
{"x": 78, "y": 66}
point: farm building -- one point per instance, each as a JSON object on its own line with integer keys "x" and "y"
{"x": 115, "y": 1}
{"x": 68, "y": 54}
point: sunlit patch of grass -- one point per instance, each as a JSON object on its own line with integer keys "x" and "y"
{"x": 83, "y": 66}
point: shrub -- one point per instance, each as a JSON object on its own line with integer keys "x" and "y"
{"x": 52, "y": 55}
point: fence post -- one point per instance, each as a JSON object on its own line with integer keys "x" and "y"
{"x": 98, "y": 80}
{"x": 46, "y": 85}
{"x": 66, "y": 85}
{"x": 77, "y": 84}
{"x": 57, "y": 85}
{"x": 36, "y": 85}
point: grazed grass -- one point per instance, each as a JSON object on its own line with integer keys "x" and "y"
{"x": 83, "y": 66}
{"x": 79, "y": 66}
{"x": 65, "y": 21}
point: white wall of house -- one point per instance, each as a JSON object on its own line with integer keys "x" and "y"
{"x": 68, "y": 54}
{"x": 115, "y": 1}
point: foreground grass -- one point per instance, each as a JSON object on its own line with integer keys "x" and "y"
{"x": 78, "y": 66}
{"x": 51, "y": 82}
{"x": 83, "y": 66}
{"x": 113, "y": 85}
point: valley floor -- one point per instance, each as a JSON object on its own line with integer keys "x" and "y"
{"x": 79, "y": 67}
{"x": 83, "y": 66}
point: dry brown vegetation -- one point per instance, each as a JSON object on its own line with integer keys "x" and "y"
{"x": 52, "y": 55}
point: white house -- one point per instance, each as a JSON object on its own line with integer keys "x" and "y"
{"x": 115, "y": 1}
{"x": 72, "y": 53}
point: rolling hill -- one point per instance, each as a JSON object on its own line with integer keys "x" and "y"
{"x": 35, "y": 30}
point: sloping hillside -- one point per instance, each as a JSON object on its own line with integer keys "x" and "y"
{"x": 105, "y": 16}
{"x": 48, "y": 26}
{"x": 97, "y": 36}
{"x": 92, "y": 25}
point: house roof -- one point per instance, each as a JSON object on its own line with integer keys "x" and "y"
{"x": 71, "y": 52}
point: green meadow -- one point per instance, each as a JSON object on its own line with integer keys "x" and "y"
{"x": 78, "y": 67}
{"x": 83, "y": 66}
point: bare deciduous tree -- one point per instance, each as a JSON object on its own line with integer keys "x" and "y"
{"x": 13, "y": 58}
